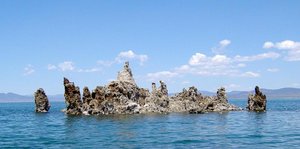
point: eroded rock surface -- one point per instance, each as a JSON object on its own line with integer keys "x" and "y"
{"x": 41, "y": 101}
{"x": 257, "y": 102}
{"x": 72, "y": 98}
{"x": 193, "y": 102}
{"x": 126, "y": 75}
{"x": 123, "y": 96}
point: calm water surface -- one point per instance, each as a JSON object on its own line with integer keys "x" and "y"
{"x": 279, "y": 127}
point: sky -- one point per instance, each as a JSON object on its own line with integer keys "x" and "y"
{"x": 207, "y": 44}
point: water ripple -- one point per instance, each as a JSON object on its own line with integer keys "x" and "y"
{"x": 277, "y": 128}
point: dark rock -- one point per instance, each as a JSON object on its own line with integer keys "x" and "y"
{"x": 72, "y": 98}
{"x": 197, "y": 111}
{"x": 41, "y": 101}
{"x": 162, "y": 91}
{"x": 86, "y": 98}
{"x": 221, "y": 95}
{"x": 257, "y": 102}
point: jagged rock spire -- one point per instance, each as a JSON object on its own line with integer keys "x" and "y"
{"x": 126, "y": 74}
{"x": 257, "y": 102}
{"x": 72, "y": 98}
{"x": 41, "y": 101}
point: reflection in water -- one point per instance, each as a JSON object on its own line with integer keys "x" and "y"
{"x": 257, "y": 124}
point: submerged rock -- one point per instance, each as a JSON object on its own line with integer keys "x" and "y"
{"x": 123, "y": 96}
{"x": 257, "y": 102}
{"x": 41, "y": 101}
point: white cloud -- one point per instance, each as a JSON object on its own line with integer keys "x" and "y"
{"x": 89, "y": 70}
{"x": 222, "y": 45}
{"x": 268, "y": 45}
{"x": 70, "y": 66}
{"x": 241, "y": 65}
{"x": 51, "y": 67}
{"x": 201, "y": 59}
{"x": 28, "y": 70}
{"x": 225, "y": 42}
{"x": 183, "y": 69}
{"x": 232, "y": 86}
{"x": 220, "y": 59}
{"x": 185, "y": 82}
{"x": 220, "y": 65}
{"x": 66, "y": 66}
{"x": 217, "y": 65}
{"x": 292, "y": 48}
{"x": 125, "y": 56}
{"x": 250, "y": 74}
{"x": 287, "y": 44}
{"x": 105, "y": 63}
{"x": 130, "y": 55}
{"x": 293, "y": 55}
{"x": 201, "y": 64}
{"x": 122, "y": 56}
{"x": 273, "y": 69}
{"x": 197, "y": 59}
{"x": 268, "y": 55}
{"x": 162, "y": 75}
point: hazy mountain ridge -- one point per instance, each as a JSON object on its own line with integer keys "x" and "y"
{"x": 13, "y": 97}
{"x": 283, "y": 93}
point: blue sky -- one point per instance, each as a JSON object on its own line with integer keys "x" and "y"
{"x": 236, "y": 44}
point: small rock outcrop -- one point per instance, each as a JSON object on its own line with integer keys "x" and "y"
{"x": 72, "y": 98}
{"x": 123, "y": 96}
{"x": 187, "y": 100}
{"x": 257, "y": 102}
{"x": 193, "y": 102}
{"x": 157, "y": 101}
{"x": 41, "y": 101}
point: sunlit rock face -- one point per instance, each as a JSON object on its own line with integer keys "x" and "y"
{"x": 257, "y": 102}
{"x": 126, "y": 75}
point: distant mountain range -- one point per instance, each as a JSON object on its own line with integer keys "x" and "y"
{"x": 12, "y": 97}
{"x": 283, "y": 93}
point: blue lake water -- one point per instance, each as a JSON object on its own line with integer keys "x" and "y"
{"x": 279, "y": 127}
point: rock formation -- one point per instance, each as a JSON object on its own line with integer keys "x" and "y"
{"x": 41, "y": 101}
{"x": 257, "y": 102}
{"x": 123, "y": 96}
{"x": 126, "y": 75}
{"x": 157, "y": 101}
{"x": 72, "y": 98}
{"x": 193, "y": 102}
